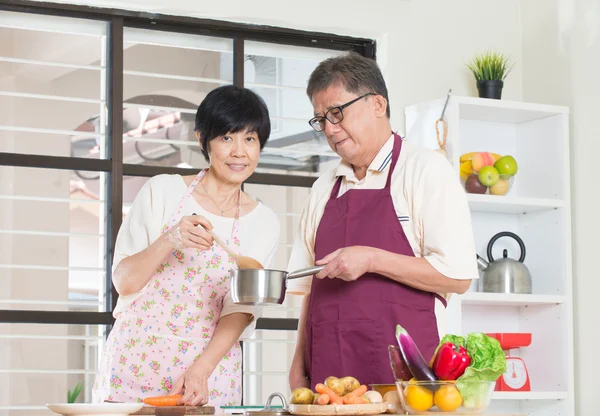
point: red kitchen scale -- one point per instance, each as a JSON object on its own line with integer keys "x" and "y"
{"x": 516, "y": 377}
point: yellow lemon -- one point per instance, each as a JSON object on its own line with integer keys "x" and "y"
{"x": 417, "y": 397}
{"x": 447, "y": 398}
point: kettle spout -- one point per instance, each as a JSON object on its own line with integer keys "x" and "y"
{"x": 481, "y": 263}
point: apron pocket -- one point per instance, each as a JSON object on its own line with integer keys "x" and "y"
{"x": 346, "y": 348}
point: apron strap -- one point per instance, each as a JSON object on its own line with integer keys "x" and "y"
{"x": 336, "y": 188}
{"x": 395, "y": 155}
{"x": 442, "y": 299}
{"x": 239, "y": 206}
{"x": 176, "y": 215}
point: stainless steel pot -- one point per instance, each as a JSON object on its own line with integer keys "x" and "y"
{"x": 263, "y": 286}
{"x": 271, "y": 411}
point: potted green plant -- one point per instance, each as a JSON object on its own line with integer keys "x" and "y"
{"x": 490, "y": 69}
{"x": 72, "y": 395}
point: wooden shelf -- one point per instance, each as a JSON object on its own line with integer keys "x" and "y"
{"x": 511, "y": 205}
{"x": 509, "y": 299}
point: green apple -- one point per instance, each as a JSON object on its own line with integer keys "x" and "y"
{"x": 506, "y": 165}
{"x": 488, "y": 176}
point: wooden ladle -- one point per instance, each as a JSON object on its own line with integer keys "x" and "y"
{"x": 242, "y": 262}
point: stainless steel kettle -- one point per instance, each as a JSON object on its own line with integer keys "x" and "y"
{"x": 505, "y": 275}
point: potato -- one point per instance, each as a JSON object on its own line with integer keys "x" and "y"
{"x": 336, "y": 385}
{"x": 302, "y": 395}
{"x": 350, "y": 384}
{"x": 328, "y": 379}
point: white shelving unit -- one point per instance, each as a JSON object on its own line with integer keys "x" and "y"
{"x": 509, "y": 299}
{"x": 538, "y": 210}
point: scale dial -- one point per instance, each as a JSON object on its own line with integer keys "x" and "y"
{"x": 515, "y": 376}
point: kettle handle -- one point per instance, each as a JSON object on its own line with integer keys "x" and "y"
{"x": 505, "y": 234}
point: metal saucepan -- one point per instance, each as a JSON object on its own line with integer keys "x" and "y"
{"x": 271, "y": 411}
{"x": 263, "y": 286}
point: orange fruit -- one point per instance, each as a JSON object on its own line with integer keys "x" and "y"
{"x": 417, "y": 397}
{"x": 447, "y": 398}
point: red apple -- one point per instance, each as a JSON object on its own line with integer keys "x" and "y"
{"x": 473, "y": 186}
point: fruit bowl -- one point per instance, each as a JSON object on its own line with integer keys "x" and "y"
{"x": 433, "y": 397}
{"x": 487, "y": 173}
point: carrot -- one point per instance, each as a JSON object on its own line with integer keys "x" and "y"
{"x": 354, "y": 400}
{"x": 323, "y": 389}
{"x": 323, "y": 399}
{"x": 358, "y": 392}
{"x": 172, "y": 400}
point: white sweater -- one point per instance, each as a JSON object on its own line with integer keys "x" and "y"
{"x": 154, "y": 206}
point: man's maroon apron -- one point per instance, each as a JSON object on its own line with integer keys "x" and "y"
{"x": 350, "y": 324}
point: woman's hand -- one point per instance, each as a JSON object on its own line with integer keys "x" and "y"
{"x": 190, "y": 233}
{"x": 193, "y": 385}
{"x": 346, "y": 263}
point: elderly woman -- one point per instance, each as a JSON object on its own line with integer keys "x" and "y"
{"x": 176, "y": 328}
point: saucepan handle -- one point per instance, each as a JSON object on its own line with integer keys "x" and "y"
{"x": 305, "y": 272}
{"x": 270, "y": 399}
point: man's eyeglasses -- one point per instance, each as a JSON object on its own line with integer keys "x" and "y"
{"x": 334, "y": 115}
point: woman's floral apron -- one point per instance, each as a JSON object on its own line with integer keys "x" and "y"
{"x": 165, "y": 329}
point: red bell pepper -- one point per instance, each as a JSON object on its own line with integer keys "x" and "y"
{"x": 451, "y": 361}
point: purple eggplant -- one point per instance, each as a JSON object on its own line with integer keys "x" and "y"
{"x": 414, "y": 359}
{"x": 399, "y": 367}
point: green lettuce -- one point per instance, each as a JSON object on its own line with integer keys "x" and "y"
{"x": 487, "y": 364}
{"x": 455, "y": 339}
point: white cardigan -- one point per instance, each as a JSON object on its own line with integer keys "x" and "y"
{"x": 154, "y": 206}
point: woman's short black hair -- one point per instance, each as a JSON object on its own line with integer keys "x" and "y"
{"x": 231, "y": 109}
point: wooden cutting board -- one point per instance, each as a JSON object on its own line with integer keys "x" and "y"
{"x": 175, "y": 410}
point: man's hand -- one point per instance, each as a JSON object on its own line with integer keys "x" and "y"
{"x": 347, "y": 263}
{"x": 297, "y": 376}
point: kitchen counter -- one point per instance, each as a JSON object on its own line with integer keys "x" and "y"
{"x": 405, "y": 414}
{"x": 437, "y": 414}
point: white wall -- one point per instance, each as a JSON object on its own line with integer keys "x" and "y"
{"x": 422, "y": 44}
{"x": 561, "y": 41}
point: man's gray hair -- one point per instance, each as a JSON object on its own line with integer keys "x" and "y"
{"x": 357, "y": 74}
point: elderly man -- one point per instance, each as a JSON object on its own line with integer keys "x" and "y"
{"x": 392, "y": 226}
